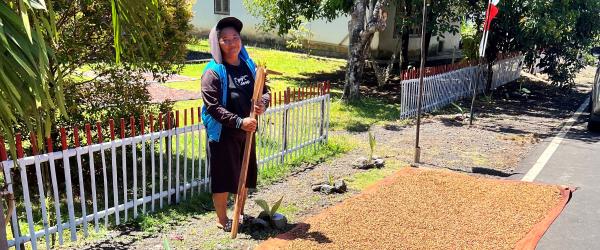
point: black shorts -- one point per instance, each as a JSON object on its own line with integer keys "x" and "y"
{"x": 225, "y": 163}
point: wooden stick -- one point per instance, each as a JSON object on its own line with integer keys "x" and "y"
{"x": 242, "y": 190}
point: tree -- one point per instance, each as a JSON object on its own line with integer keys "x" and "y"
{"x": 554, "y": 32}
{"x": 97, "y": 87}
{"x": 366, "y": 18}
{"x": 39, "y": 51}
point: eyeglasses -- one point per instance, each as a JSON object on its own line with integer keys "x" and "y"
{"x": 230, "y": 41}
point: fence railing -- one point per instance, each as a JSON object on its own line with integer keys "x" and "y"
{"x": 446, "y": 84}
{"x": 111, "y": 181}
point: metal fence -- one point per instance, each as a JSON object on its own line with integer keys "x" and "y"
{"x": 109, "y": 181}
{"x": 446, "y": 84}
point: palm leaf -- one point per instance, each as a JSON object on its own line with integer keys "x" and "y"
{"x": 263, "y": 204}
{"x": 276, "y": 206}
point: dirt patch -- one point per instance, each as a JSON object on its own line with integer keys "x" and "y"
{"x": 432, "y": 209}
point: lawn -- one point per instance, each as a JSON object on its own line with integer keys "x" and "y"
{"x": 300, "y": 70}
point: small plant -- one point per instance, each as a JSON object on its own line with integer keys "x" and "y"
{"x": 523, "y": 90}
{"x": 166, "y": 244}
{"x": 330, "y": 180}
{"x": 270, "y": 214}
{"x": 371, "y": 146}
{"x": 459, "y": 108}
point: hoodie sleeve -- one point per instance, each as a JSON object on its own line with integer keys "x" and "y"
{"x": 211, "y": 96}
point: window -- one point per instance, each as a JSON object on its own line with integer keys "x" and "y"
{"x": 222, "y": 7}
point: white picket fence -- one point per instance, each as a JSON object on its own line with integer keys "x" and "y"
{"x": 441, "y": 89}
{"x": 153, "y": 170}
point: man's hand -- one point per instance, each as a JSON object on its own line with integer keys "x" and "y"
{"x": 249, "y": 124}
{"x": 260, "y": 108}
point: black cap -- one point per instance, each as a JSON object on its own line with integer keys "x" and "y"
{"x": 230, "y": 22}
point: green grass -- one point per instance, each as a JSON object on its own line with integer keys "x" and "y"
{"x": 359, "y": 116}
{"x": 362, "y": 180}
{"x": 200, "y": 46}
{"x": 335, "y": 146}
{"x": 289, "y": 211}
{"x": 193, "y": 70}
{"x": 174, "y": 214}
{"x": 298, "y": 69}
{"x": 193, "y": 86}
{"x": 187, "y": 104}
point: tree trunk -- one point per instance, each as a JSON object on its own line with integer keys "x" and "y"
{"x": 356, "y": 59}
{"x": 404, "y": 50}
{"x": 361, "y": 32}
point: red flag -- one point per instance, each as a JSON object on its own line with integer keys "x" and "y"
{"x": 491, "y": 13}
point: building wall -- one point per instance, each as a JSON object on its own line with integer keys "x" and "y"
{"x": 327, "y": 38}
{"x": 332, "y": 33}
{"x": 387, "y": 42}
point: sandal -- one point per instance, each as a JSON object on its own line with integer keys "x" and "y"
{"x": 226, "y": 227}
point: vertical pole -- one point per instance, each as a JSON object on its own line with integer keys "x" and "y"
{"x": 153, "y": 164}
{"x": 124, "y": 167}
{"x": 113, "y": 162}
{"x": 160, "y": 159}
{"x": 88, "y": 135}
{"x": 142, "y": 132}
{"x": 134, "y": 165}
{"x": 421, "y": 72}
{"x": 169, "y": 155}
{"x": 3, "y": 240}
{"x": 286, "y": 100}
{"x": 481, "y": 55}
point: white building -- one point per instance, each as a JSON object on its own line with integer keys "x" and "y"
{"x": 327, "y": 38}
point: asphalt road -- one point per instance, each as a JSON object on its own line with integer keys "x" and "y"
{"x": 576, "y": 163}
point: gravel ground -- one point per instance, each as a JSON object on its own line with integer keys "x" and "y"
{"x": 432, "y": 209}
{"x": 507, "y": 127}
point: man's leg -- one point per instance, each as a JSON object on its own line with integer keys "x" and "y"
{"x": 220, "y": 202}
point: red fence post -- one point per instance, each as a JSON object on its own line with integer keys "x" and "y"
{"x": 34, "y": 145}
{"x": 76, "y": 136}
{"x": 63, "y": 138}
{"x": 49, "y": 146}
{"x": 122, "y": 128}
{"x": 19, "y": 145}
{"x": 132, "y": 124}
{"x": 3, "y": 155}
{"x": 199, "y": 115}
{"x": 160, "y": 122}
{"x": 185, "y": 111}
{"x": 88, "y": 134}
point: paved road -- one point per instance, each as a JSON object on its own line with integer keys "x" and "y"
{"x": 576, "y": 163}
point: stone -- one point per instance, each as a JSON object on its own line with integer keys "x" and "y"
{"x": 257, "y": 222}
{"x": 279, "y": 221}
{"x": 326, "y": 189}
{"x": 361, "y": 162}
{"x": 379, "y": 163}
{"x": 340, "y": 186}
